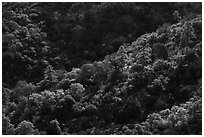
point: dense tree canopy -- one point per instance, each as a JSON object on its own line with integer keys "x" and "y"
{"x": 102, "y": 68}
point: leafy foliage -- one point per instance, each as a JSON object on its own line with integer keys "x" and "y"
{"x": 146, "y": 85}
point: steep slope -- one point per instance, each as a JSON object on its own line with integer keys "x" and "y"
{"x": 152, "y": 86}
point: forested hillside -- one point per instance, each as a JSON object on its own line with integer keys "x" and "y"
{"x": 102, "y": 68}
